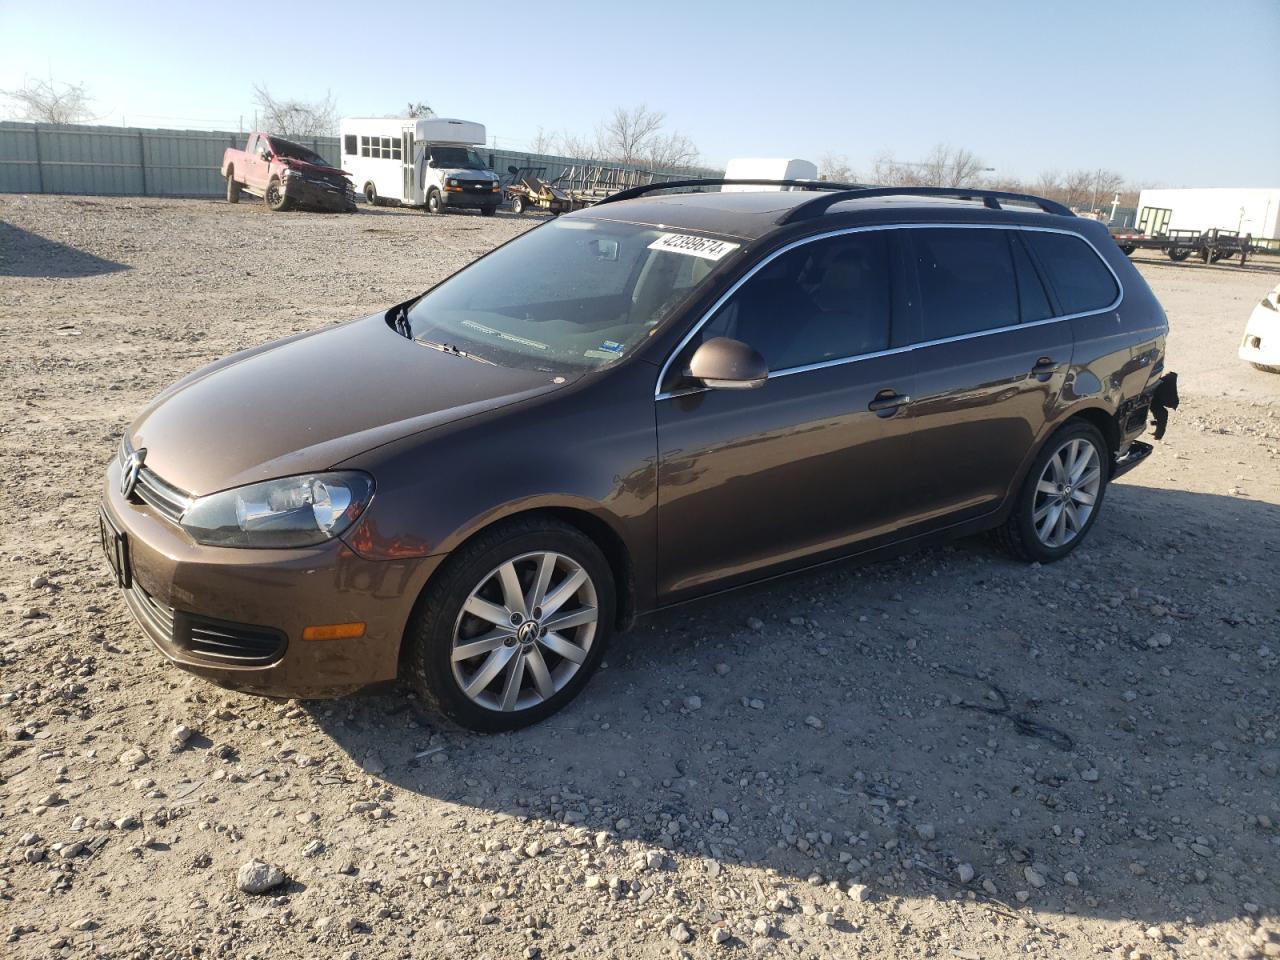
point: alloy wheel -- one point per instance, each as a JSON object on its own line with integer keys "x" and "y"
{"x": 524, "y": 631}
{"x": 1067, "y": 492}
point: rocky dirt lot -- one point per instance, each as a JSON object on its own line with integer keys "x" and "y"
{"x": 948, "y": 755}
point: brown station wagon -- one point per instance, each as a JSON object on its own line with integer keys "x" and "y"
{"x": 660, "y": 397}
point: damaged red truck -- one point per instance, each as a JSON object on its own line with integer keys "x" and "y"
{"x": 285, "y": 175}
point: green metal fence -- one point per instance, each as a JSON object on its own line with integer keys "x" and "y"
{"x": 123, "y": 161}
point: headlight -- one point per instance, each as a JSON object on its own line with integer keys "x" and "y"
{"x": 451, "y": 182}
{"x": 291, "y": 512}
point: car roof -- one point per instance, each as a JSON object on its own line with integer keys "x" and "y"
{"x": 752, "y": 215}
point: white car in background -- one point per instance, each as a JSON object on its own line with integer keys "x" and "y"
{"x": 1261, "y": 343}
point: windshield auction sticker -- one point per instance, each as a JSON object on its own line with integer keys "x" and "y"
{"x": 703, "y": 247}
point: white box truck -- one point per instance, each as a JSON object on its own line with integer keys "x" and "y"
{"x": 748, "y": 168}
{"x": 428, "y": 162}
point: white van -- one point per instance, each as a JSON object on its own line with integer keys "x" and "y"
{"x": 429, "y": 162}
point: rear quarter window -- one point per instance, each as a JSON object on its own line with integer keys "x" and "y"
{"x": 1082, "y": 282}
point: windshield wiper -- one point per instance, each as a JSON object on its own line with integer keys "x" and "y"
{"x": 452, "y": 350}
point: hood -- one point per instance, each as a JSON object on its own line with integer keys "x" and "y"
{"x": 306, "y": 403}
{"x": 463, "y": 174}
{"x": 315, "y": 169}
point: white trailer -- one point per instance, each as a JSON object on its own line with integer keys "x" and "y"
{"x": 429, "y": 162}
{"x": 1254, "y": 211}
{"x": 751, "y": 168}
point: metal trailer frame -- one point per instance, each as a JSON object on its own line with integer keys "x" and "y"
{"x": 1210, "y": 246}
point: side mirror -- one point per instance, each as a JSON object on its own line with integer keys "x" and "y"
{"x": 513, "y": 170}
{"x": 725, "y": 364}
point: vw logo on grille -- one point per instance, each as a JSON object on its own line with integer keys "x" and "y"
{"x": 129, "y": 473}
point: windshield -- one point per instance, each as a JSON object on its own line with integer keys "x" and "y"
{"x": 285, "y": 148}
{"x": 462, "y": 158}
{"x": 569, "y": 296}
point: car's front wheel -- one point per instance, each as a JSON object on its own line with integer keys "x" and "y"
{"x": 1060, "y": 497}
{"x": 275, "y": 197}
{"x": 513, "y": 625}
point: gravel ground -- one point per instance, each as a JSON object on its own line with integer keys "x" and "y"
{"x": 853, "y": 762}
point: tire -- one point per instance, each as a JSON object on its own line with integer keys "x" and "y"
{"x": 517, "y": 205}
{"x": 502, "y": 671}
{"x": 1177, "y": 256}
{"x": 1128, "y": 250}
{"x": 371, "y": 195}
{"x": 1265, "y": 367}
{"x": 1023, "y": 533}
{"x": 435, "y": 205}
{"x": 488, "y": 211}
{"x": 274, "y": 196}
{"x": 233, "y": 188}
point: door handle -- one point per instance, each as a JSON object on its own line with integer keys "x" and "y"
{"x": 1044, "y": 368}
{"x": 887, "y": 402}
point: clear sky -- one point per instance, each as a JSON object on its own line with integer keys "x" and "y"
{"x": 1175, "y": 92}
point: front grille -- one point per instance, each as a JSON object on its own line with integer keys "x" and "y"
{"x": 163, "y": 498}
{"x": 205, "y": 638}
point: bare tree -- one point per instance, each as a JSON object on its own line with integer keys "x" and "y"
{"x": 835, "y": 167}
{"x": 1076, "y": 187}
{"x": 626, "y": 134}
{"x": 670, "y": 150}
{"x": 542, "y": 142}
{"x": 296, "y": 118}
{"x": 48, "y": 101}
{"x": 418, "y": 110}
{"x": 572, "y": 145}
{"x": 950, "y": 167}
{"x": 1049, "y": 184}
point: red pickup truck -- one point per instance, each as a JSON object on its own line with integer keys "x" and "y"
{"x": 285, "y": 174}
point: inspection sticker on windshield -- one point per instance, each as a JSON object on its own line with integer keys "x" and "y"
{"x": 703, "y": 247}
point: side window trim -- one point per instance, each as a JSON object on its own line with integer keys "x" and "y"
{"x": 911, "y": 309}
{"x": 1015, "y": 238}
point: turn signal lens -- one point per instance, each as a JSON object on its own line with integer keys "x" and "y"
{"x": 334, "y": 631}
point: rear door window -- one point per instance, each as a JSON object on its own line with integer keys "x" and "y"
{"x": 967, "y": 280}
{"x": 1082, "y": 282}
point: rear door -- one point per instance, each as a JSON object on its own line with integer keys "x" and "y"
{"x": 753, "y": 482}
{"x": 991, "y": 361}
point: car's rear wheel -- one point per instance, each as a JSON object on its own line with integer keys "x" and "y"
{"x": 513, "y": 626}
{"x": 371, "y": 195}
{"x": 1061, "y": 496}
{"x": 233, "y": 188}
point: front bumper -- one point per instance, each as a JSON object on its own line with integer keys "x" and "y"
{"x": 236, "y": 616}
{"x": 468, "y": 199}
{"x": 1261, "y": 342}
{"x": 320, "y": 194}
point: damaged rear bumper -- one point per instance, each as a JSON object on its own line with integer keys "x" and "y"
{"x": 1137, "y": 452}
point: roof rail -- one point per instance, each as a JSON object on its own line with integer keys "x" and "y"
{"x": 834, "y": 193}
{"x": 632, "y": 192}
{"x": 990, "y": 198}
